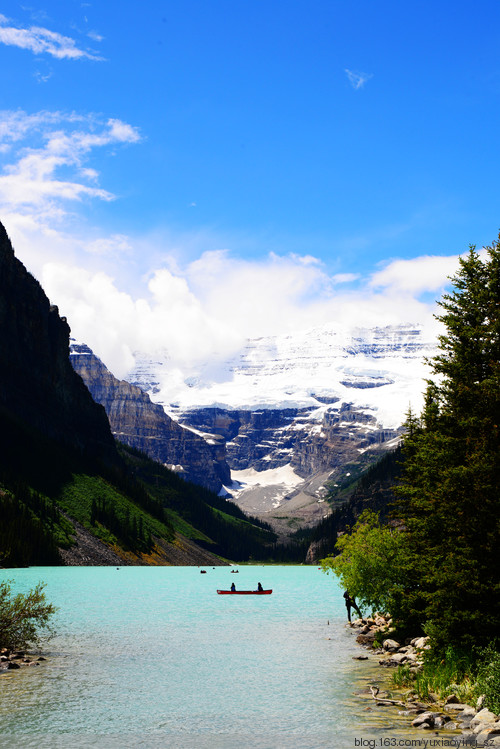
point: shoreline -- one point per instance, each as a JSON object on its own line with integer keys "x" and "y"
{"x": 445, "y": 718}
{"x": 11, "y": 660}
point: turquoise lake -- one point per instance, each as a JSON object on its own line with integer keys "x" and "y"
{"x": 153, "y": 657}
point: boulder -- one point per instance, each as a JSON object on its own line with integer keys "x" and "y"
{"x": 412, "y": 658}
{"x": 397, "y": 659}
{"x": 466, "y": 711}
{"x": 422, "y": 643}
{"x": 391, "y": 645}
{"x": 366, "y": 639}
{"x": 440, "y": 721}
{"x": 485, "y": 735}
{"x": 424, "y": 720}
{"x": 483, "y": 716}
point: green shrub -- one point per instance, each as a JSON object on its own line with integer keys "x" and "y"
{"x": 488, "y": 679}
{"x": 23, "y": 616}
{"x": 369, "y": 564}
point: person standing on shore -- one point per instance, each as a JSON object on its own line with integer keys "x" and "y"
{"x": 351, "y": 603}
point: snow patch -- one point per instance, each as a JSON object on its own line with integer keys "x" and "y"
{"x": 250, "y": 477}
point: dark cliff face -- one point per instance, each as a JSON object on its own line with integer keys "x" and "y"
{"x": 270, "y": 438}
{"x": 39, "y": 389}
{"x": 138, "y": 422}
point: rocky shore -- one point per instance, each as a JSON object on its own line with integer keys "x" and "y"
{"x": 15, "y": 659}
{"x": 478, "y": 725}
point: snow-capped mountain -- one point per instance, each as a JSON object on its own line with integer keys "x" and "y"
{"x": 318, "y": 401}
{"x": 381, "y": 369}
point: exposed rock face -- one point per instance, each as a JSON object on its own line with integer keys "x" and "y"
{"x": 138, "y": 422}
{"x": 317, "y": 400}
{"x": 259, "y": 439}
{"x": 339, "y": 437}
{"x": 38, "y": 387}
{"x": 312, "y": 440}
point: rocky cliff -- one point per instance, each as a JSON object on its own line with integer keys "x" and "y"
{"x": 305, "y": 411}
{"x": 309, "y": 439}
{"x": 138, "y": 422}
{"x": 39, "y": 390}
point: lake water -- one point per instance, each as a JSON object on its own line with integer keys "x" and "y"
{"x": 153, "y": 657}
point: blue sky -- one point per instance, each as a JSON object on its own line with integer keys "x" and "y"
{"x": 288, "y": 161}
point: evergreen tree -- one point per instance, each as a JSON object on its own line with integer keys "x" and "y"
{"x": 451, "y": 479}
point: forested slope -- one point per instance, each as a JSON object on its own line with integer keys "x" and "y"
{"x": 59, "y": 462}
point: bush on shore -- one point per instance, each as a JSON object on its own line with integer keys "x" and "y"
{"x": 23, "y": 617}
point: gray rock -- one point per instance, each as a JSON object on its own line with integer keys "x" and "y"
{"x": 466, "y": 710}
{"x": 440, "y": 721}
{"x": 138, "y": 422}
{"x": 486, "y": 731}
{"x": 391, "y": 645}
{"x": 483, "y": 716}
{"x": 480, "y": 702}
{"x": 366, "y": 639}
{"x": 398, "y": 659}
{"x": 424, "y": 720}
{"x": 422, "y": 643}
{"x": 412, "y": 657}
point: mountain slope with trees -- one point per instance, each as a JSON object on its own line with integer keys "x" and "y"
{"x": 61, "y": 469}
{"x": 442, "y": 575}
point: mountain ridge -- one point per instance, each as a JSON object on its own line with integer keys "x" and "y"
{"x": 136, "y": 421}
{"x": 67, "y": 488}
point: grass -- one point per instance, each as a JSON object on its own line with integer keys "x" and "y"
{"x": 76, "y": 498}
{"x": 465, "y": 675}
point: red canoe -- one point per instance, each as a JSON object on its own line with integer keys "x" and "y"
{"x": 244, "y": 592}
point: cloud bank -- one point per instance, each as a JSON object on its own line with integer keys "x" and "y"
{"x": 198, "y": 311}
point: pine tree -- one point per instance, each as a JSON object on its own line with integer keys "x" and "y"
{"x": 451, "y": 480}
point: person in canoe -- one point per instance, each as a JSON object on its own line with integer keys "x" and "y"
{"x": 259, "y": 587}
{"x": 233, "y": 587}
{"x": 351, "y": 603}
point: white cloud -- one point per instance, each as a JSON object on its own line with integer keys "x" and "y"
{"x": 199, "y": 311}
{"x": 204, "y": 312}
{"x": 42, "y": 41}
{"x": 428, "y": 273}
{"x": 30, "y": 183}
{"x": 95, "y": 36}
{"x": 357, "y": 80}
{"x": 345, "y": 277}
{"x": 116, "y": 245}
{"x": 42, "y": 77}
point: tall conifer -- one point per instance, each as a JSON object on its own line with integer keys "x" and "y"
{"x": 451, "y": 481}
